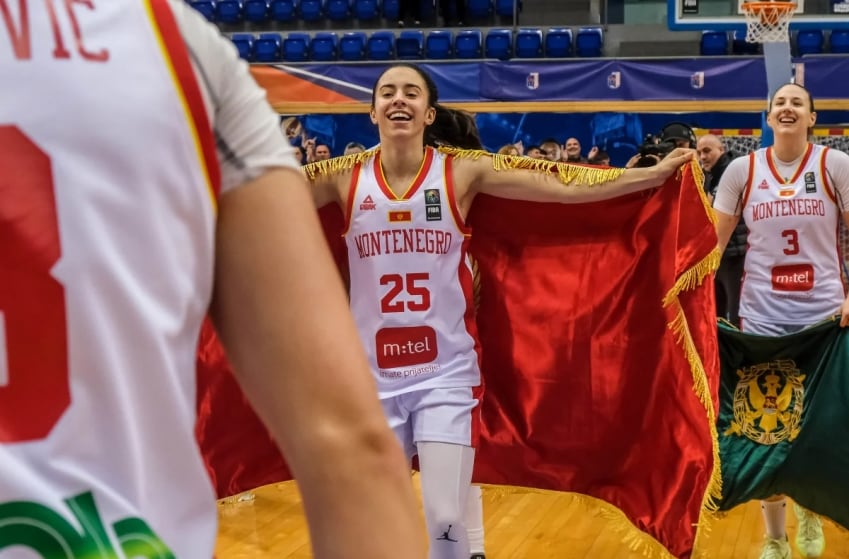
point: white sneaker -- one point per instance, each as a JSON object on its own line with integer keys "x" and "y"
{"x": 810, "y": 540}
{"x": 776, "y": 549}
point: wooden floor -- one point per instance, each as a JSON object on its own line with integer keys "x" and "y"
{"x": 519, "y": 524}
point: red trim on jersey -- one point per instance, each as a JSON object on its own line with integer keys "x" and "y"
{"x": 477, "y": 419}
{"x": 178, "y": 54}
{"x": 796, "y": 174}
{"x": 414, "y": 186}
{"x": 467, "y": 284}
{"x": 352, "y": 193}
{"x": 448, "y": 176}
{"x": 748, "y": 188}
{"x": 824, "y": 173}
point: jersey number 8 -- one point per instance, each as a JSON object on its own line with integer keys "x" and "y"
{"x": 34, "y": 386}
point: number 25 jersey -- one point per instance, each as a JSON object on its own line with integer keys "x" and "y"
{"x": 412, "y": 279}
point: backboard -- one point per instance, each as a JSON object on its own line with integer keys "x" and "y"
{"x": 720, "y": 15}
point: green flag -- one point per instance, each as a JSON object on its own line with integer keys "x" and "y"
{"x": 784, "y": 418}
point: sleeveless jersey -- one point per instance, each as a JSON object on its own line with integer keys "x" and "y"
{"x": 792, "y": 267}
{"x": 411, "y": 279}
{"x": 108, "y": 184}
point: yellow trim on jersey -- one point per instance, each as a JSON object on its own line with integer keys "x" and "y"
{"x": 184, "y": 104}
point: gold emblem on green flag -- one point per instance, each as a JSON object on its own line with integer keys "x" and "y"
{"x": 768, "y": 402}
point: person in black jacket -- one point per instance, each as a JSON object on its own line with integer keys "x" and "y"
{"x": 729, "y": 276}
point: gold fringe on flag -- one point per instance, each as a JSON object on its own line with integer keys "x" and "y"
{"x": 336, "y": 165}
{"x": 577, "y": 175}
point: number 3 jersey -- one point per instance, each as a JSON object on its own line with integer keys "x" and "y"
{"x": 792, "y": 269}
{"x": 411, "y": 278}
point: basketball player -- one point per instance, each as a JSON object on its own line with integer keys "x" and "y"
{"x": 411, "y": 280}
{"x": 118, "y": 224}
{"x": 791, "y": 196}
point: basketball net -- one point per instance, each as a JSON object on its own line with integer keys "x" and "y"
{"x": 768, "y": 22}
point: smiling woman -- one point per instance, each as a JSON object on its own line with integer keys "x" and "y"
{"x": 792, "y": 196}
{"x": 414, "y": 308}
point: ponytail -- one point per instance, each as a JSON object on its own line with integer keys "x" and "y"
{"x": 453, "y": 128}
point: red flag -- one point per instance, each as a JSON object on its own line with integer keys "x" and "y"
{"x": 599, "y": 359}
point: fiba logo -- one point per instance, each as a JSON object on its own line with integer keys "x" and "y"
{"x": 697, "y": 80}
{"x": 533, "y": 80}
{"x": 614, "y": 80}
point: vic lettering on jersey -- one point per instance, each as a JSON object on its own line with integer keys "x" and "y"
{"x": 394, "y": 241}
{"x": 66, "y": 20}
{"x": 784, "y": 208}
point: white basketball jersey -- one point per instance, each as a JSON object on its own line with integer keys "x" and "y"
{"x": 107, "y": 214}
{"x": 411, "y": 279}
{"x": 792, "y": 268}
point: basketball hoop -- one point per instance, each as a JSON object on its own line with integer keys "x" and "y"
{"x": 768, "y": 22}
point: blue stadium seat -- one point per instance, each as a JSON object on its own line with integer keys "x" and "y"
{"x": 311, "y": 10}
{"x": 410, "y": 45}
{"x": 740, "y": 46}
{"x": 366, "y": 10}
{"x": 229, "y": 11}
{"x": 296, "y": 47}
{"x": 391, "y": 10}
{"x": 810, "y": 41}
{"x": 338, "y": 10}
{"x": 558, "y": 42}
{"x": 839, "y": 41}
{"x": 589, "y": 41}
{"x": 439, "y": 44}
{"x": 352, "y": 46}
{"x": 468, "y": 44}
{"x": 244, "y": 44}
{"x": 268, "y": 47}
{"x": 714, "y": 43}
{"x": 479, "y": 8}
{"x": 284, "y": 11}
{"x": 504, "y": 8}
{"x": 205, "y": 7}
{"x": 498, "y": 44}
{"x": 528, "y": 43}
{"x": 381, "y": 46}
{"x": 256, "y": 11}
{"x": 323, "y": 46}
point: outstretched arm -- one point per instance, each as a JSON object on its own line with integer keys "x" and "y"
{"x": 283, "y": 317}
{"x": 566, "y": 183}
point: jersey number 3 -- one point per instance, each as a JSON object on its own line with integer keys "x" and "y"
{"x": 792, "y": 238}
{"x": 34, "y": 387}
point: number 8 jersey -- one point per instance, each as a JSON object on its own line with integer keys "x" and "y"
{"x": 792, "y": 268}
{"x": 109, "y": 179}
{"x": 411, "y": 278}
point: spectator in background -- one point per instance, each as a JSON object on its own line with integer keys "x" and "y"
{"x": 508, "y": 149}
{"x": 729, "y": 276}
{"x": 534, "y": 152}
{"x": 301, "y": 154}
{"x": 572, "y": 151}
{"x": 598, "y": 157}
{"x": 316, "y": 151}
{"x": 550, "y": 149}
{"x": 354, "y": 147}
{"x": 294, "y": 131}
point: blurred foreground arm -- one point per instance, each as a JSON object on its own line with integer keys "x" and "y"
{"x": 281, "y": 311}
